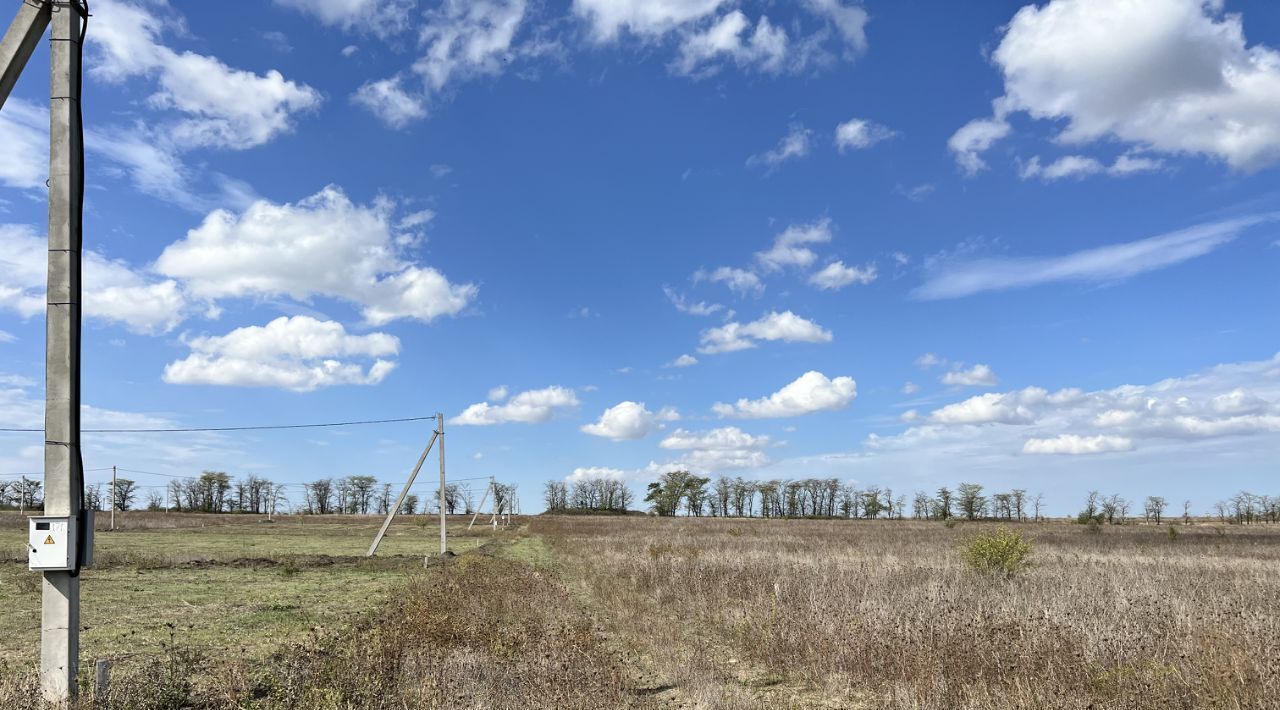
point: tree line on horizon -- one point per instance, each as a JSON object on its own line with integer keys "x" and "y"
{"x": 684, "y": 493}
{"x": 219, "y": 492}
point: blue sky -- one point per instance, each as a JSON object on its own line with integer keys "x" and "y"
{"x": 900, "y": 243}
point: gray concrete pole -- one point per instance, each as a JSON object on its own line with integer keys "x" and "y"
{"x": 113, "y": 497}
{"x": 444, "y": 539}
{"x": 63, "y": 477}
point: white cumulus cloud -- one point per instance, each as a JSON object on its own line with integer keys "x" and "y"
{"x": 790, "y": 248}
{"x": 112, "y": 290}
{"x": 809, "y": 393}
{"x": 1074, "y": 444}
{"x": 785, "y": 326}
{"x": 383, "y": 18}
{"x": 324, "y": 245}
{"x": 836, "y": 275}
{"x": 976, "y": 376}
{"x": 299, "y": 353}
{"x": 1173, "y": 76}
{"x": 458, "y": 40}
{"x": 628, "y": 421}
{"x": 685, "y": 360}
{"x": 586, "y": 473}
{"x": 388, "y": 100}
{"x": 646, "y": 18}
{"x": 732, "y": 38}
{"x": 717, "y": 449}
{"x": 529, "y": 407}
{"x": 859, "y": 133}
{"x": 221, "y": 107}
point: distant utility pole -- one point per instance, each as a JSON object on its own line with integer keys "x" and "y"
{"x": 63, "y": 471}
{"x": 113, "y": 497}
{"x": 444, "y": 535}
{"x": 483, "y": 498}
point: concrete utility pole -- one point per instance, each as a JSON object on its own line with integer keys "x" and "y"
{"x": 63, "y": 471}
{"x": 113, "y": 497}
{"x": 444, "y": 535}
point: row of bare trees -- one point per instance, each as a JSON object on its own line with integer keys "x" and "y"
{"x": 682, "y": 492}
{"x": 363, "y": 495}
{"x": 1246, "y": 508}
{"x": 24, "y": 493}
{"x": 597, "y": 494}
{"x": 217, "y": 492}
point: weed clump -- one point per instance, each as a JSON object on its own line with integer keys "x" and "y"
{"x": 1002, "y": 553}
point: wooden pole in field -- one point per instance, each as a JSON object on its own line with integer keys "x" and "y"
{"x": 113, "y": 497}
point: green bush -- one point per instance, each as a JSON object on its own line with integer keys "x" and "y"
{"x": 1002, "y": 552}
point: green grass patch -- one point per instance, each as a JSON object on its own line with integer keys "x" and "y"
{"x": 228, "y": 589}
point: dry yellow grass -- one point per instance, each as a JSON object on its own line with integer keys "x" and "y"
{"x": 740, "y": 613}
{"x": 621, "y": 612}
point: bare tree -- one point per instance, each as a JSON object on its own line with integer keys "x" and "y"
{"x": 1019, "y": 498}
{"x": 126, "y": 492}
{"x": 970, "y": 500}
{"x": 319, "y": 496}
{"x": 1153, "y": 509}
{"x": 409, "y": 505}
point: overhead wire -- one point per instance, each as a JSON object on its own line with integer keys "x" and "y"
{"x": 265, "y": 427}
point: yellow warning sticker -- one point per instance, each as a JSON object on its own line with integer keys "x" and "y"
{"x": 48, "y": 540}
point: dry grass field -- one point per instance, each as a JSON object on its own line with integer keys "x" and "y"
{"x": 750, "y": 613}
{"x": 613, "y": 612}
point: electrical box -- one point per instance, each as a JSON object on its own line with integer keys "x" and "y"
{"x": 52, "y": 543}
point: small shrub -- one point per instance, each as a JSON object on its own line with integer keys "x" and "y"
{"x": 1002, "y": 552}
{"x": 1093, "y": 526}
{"x": 951, "y": 523}
{"x": 1173, "y": 534}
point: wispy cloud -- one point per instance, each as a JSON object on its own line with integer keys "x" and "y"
{"x": 796, "y": 144}
{"x": 958, "y": 278}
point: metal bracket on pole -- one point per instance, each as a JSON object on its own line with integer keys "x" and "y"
{"x": 391, "y": 514}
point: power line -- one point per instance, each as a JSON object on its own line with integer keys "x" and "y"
{"x": 234, "y": 428}
{"x": 41, "y": 473}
